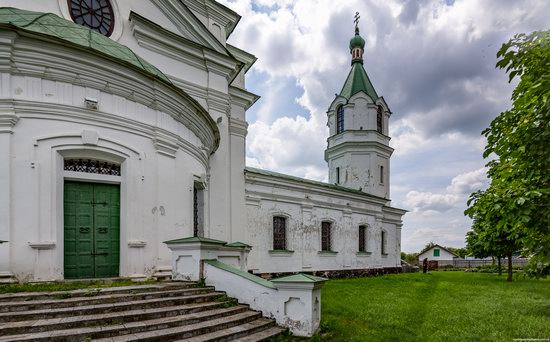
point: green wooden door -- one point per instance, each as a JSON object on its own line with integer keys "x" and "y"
{"x": 92, "y": 230}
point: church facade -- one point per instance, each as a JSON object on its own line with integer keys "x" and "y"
{"x": 123, "y": 125}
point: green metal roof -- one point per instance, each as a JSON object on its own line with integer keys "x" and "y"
{"x": 194, "y": 239}
{"x": 300, "y": 278}
{"x": 312, "y": 182}
{"x": 358, "y": 81}
{"x": 55, "y": 26}
{"x": 238, "y": 244}
{"x": 236, "y": 271}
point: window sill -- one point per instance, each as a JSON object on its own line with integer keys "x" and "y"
{"x": 280, "y": 252}
{"x": 363, "y": 253}
{"x": 327, "y": 253}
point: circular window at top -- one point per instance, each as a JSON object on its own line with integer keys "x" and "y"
{"x": 95, "y": 14}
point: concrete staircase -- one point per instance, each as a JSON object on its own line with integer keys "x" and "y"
{"x": 173, "y": 311}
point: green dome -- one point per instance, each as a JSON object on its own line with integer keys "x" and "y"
{"x": 356, "y": 42}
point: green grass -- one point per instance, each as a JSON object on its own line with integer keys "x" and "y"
{"x": 439, "y": 306}
{"x": 68, "y": 286}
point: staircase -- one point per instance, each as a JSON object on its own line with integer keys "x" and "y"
{"x": 172, "y": 311}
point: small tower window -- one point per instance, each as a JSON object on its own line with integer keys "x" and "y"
{"x": 97, "y": 15}
{"x": 381, "y": 175}
{"x": 340, "y": 119}
{"x": 379, "y": 119}
{"x": 326, "y": 236}
{"x": 279, "y": 233}
{"x": 338, "y": 175}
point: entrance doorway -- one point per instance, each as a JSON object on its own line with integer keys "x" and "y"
{"x": 92, "y": 230}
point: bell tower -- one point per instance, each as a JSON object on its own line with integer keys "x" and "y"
{"x": 358, "y": 151}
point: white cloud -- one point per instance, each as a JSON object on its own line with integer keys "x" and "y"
{"x": 466, "y": 183}
{"x": 427, "y": 201}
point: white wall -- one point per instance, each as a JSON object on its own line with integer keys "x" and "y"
{"x": 443, "y": 255}
{"x": 305, "y": 206}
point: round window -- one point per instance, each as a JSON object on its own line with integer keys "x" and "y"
{"x": 95, "y": 14}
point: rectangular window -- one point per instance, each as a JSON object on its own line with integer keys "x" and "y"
{"x": 279, "y": 233}
{"x": 379, "y": 120}
{"x": 362, "y": 238}
{"x": 337, "y": 175}
{"x": 383, "y": 243}
{"x": 326, "y": 236}
{"x": 381, "y": 175}
{"x": 436, "y": 252}
{"x": 198, "y": 210}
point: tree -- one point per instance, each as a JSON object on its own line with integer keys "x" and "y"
{"x": 516, "y": 206}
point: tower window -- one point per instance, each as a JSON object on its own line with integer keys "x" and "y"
{"x": 338, "y": 175}
{"x": 381, "y": 175}
{"x": 326, "y": 236}
{"x": 340, "y": 119}
{"x": 279, "y": 233}
{"x": 362, "y": 239}
{"x": 379, "y": 119}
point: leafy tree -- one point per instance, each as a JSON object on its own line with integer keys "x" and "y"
{"x": 516, "y": 206}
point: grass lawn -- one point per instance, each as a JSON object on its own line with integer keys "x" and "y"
{"x": 439, "y": 306}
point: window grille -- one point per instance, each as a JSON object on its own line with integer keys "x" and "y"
{"x": 383, "y": 242}
{"x": 279, "y": 233}
{"x": 91, "y": 166}
{"x": 326, "y": 236}
{"x": 195, "y": 212}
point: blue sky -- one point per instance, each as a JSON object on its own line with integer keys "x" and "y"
{"x": 432, "y": 60}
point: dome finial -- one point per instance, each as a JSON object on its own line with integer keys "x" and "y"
{"x": 357, "y": 43}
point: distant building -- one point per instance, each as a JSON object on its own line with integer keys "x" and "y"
{"x": 440, "y": 254}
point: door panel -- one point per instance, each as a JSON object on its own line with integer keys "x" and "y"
{"x": 92, "y": 230}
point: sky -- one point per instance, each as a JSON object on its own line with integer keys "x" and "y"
{"x": 432, "y": 60}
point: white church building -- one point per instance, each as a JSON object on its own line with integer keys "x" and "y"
{"x": 123, "y": 126}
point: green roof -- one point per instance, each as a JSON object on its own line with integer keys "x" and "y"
{"x": 238, "y": 244}
{"x": 236, "y": 271}
{"x": 194, "y": 239}
{"x": 358, "y": 81}
{"x": 299, "y": 278}
{"x": 311, "y": 182}
{"x": 52, "y": 25}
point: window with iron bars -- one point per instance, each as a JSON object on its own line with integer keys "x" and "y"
{"x": 279, "y": 233}
{"x": 362, "y": 239}
{"x": 326, "y": 236}
{"x": 379, "y": 119}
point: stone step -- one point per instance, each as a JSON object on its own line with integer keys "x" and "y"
{"x": 106, "y": 308}
{"x": 189, "y": 331}
{"x": 213, "y": 318}
{"x": 236, "y": 332}
{"x": 93, "y": 298}
{"x": 103, "y": 319}
{"x": 264, "y": 335}
{"x": 29, "y": 296}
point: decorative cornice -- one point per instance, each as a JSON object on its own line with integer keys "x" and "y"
{"x": 242, "y": 98}
{"x": 238, "y": 127}
{"x": 35, "y": 56}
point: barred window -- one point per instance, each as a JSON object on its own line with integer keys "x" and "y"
{"x": 279, "y": 233}
{"x": 198, "y": 209}
{"x": 340, "y": 119}
{"x": 362, "y": 239}
{"x": 91, "y": 166}
{"x": 326, "y": 236}
{"x": 379, "y": 119}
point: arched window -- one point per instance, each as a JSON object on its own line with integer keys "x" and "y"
{"x": 379, "y": 119}
{"x": 340, "y": 119}
{"x": 279, "y": 233}
{"x": 97, "y": 15}
{"x": 326, "y": 236}
{"x": 362, "y": 238}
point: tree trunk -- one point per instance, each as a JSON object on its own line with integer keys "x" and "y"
{"x": 509, "y": 267}
{"x": 499, "y": 267}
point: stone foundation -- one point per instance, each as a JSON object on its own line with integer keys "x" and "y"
{"x": 341, "y": 274}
